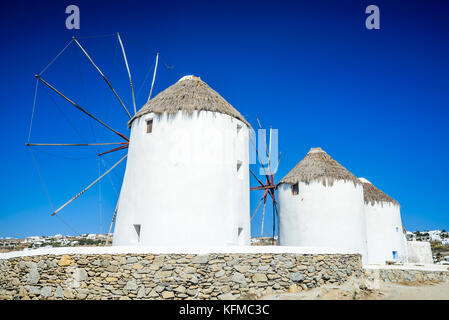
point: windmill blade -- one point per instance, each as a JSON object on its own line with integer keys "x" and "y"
{"x": 79, "y": 108}
{"x": 88, "y": 187}
{"x": 257, "y": 153}
{"x": 260, "y": 127}
{"x": 71, "y": 144}
{"x": 113, "y": 220}
{"x": 274, "y": 220}
{"x": 263, "y": 217}
{"x": 269, "y": 155}
{"x": 154, "y": 76}
{"x": 254, "y": 175}
{"x": 104, "y": 77}
{"x": 112, "y": 150}
{"x": 129, "y": 72}
{"x": 257, "y": 118}
{"x": 267, "y": 150}
{"x": 254, "y": 213}
{"x": 279, "y": 160}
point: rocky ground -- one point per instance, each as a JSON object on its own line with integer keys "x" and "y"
{"x": 355, "y": 289}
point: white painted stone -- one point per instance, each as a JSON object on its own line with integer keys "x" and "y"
{"x": 384, "y": 232}
{"x": 174, "y": 250}
{"x": 419, "y": 252}
{"x": 181, "y": 183}
{"x": 323, "y": 216}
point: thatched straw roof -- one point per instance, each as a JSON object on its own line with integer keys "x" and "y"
{"x": 373, "y": 195}
{"x": 190, "y": 93}
{"x": 319, "y": 166}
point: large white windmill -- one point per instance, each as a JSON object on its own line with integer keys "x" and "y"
{"x": 187, "y": 174}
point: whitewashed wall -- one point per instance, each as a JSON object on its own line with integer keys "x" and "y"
{"x": 181, "y": 182}
{"x": 323, "y": 216}
{"x": 419, "y": 252}
{"x": 384, "y": 232}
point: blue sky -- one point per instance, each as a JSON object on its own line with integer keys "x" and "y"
{"x": 375, "y": 100}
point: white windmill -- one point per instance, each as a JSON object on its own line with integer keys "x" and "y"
{"x": 187, "y": 175}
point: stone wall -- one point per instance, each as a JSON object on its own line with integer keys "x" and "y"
{"x": 406, "y": 276}
{"x": 170, "y": 276}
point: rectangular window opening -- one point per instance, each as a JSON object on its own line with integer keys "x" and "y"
{"x": 239, "y": 165}
{"x": 239, "y": 232}
{"x": 239, "y": 169}
{"x": 137, "y": 229}
{"x": 239, "y": 127}
{"x": 149, "y": 125}
{"x": 295, "y": 189}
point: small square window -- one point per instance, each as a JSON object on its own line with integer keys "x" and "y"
{"x": 295, "y": 189}
{"x": 149, "y": 125}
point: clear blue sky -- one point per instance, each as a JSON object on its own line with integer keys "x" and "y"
{"x": 375, "y": 100}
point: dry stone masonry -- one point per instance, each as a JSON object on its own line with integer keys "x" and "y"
{"x": 170, "y": 276}
{"x": 409, "y": 276}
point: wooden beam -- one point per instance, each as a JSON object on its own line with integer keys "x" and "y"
{"x": 79, "y": 108}
{"x": 72, "y": 144}
{"x": 129, "y": 72}
{"x": 154, "y": 76}
{"x": 104, "y": 77}
{"x": 88, "y": 187}
{"x": 112, "y": 150}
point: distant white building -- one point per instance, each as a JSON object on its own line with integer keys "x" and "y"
{"x": 434, "y": 235}
{"x": 419, "y": 252}
{"x": 410, "y": 236}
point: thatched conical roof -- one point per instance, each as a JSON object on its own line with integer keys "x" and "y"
{"x": 190, "y": 93}
{"x": 373, "y": 195}
{"x": 319, "y": 166}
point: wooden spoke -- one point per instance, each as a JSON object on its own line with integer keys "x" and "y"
{"x": 254, "y": 175}
{"x": 113, "y": 219}
{"x": 129, "y": 72}
{"x": 71, "y": 144}
{"x": 154, "y": 76}
{"x": 115, "y": 149}
{"x": 104, "y": 77}
{"x": 263, "y": 217}
{"x": 254, "y": 213}
{"x": 88, "y": 187}
{"x": 80, "y": 108}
